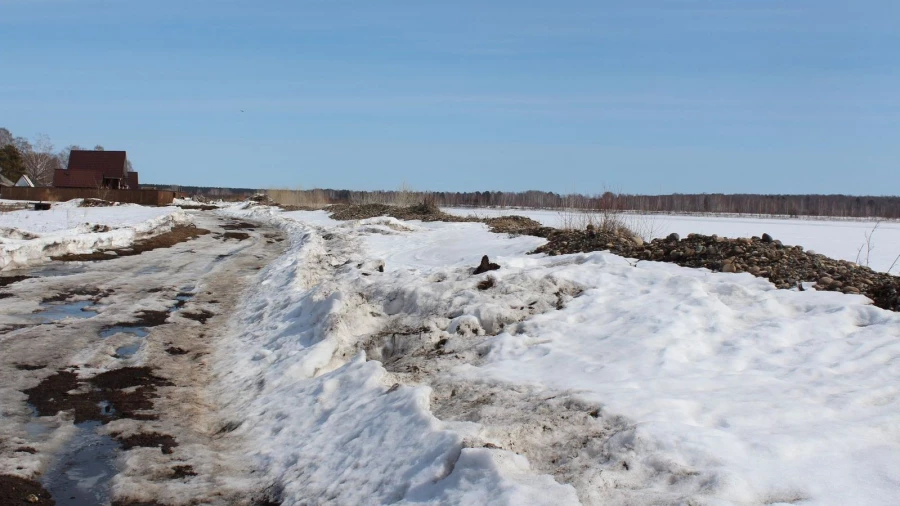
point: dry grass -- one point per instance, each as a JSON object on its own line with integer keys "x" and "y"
{"x": 403, "y": 196}
{"x": 313, "y": 199}
{"x": 611, "y": 222}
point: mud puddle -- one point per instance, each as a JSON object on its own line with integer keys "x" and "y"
{"x": 55, "y": 311}
{"x": 83, "y": 470}
{"x": 134, "y": 330}
{"x": 54, "y": 270}
{"x": 128, "y": 350}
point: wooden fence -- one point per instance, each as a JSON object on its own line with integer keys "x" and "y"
{"x": 142, "y": 197}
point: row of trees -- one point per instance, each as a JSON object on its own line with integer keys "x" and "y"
{"x": 34, "y": 158}
{"x": 848, "y": 206}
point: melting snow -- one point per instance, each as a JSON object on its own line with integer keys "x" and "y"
{"x": 713, "y": 388}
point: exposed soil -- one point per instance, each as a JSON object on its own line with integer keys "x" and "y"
{"x": 8, "y": 280}
{"x": 127, "y": 393}
{"x": 28, "y": 367}
{"x": 168, "y": 239}
{"x": 486, "y": 283}
{"x": 93, "y": 292}
{"x": 240, "y": 225}
{"x": 164, "y": 442}
{"x": 511, "y": 225}
{"x": 17, "y": 490}
{"x": 201, "y": 315}
{"x": 120, "y": 502}
{"x": 181, "y": 298}
{"x": 423, "y": 212}
{"x": 96, "y": 203}
{"x": 240, "y": 236}
{"x": 200, "y": 207}
{"x": 146, "y": 318}
{"x": 179, "y": 472}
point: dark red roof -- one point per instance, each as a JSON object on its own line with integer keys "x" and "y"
{"x": 84, "y": 178}
{"x": 110, "y": 163}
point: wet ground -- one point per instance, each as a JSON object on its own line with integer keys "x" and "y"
{"x": 103, "y": 374}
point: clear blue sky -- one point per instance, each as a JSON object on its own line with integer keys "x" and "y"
{"x": 654, "y": 96}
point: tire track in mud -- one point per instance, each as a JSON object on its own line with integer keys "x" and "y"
{"x": 148, "y": 408}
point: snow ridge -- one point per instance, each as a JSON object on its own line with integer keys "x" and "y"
{"x": 326, "y": 425}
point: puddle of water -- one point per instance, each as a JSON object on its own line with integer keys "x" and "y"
{"x": 184, "y": 295}
{"x": 37, "y": 429}
{"x": 84, "y": 468}
{"x": 54, "y": 270}
{"x": 106, "y": 409}
{"x": 150, "y": 269}
{"x": 54, "y": 311}
{"x": 124, "y": 329}
{"x": 128, "y": 350}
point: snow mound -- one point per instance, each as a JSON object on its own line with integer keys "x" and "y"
{"x": 647, "y": 383}
{"x": 327, "y": 426}
{"x": 32, "y": 237}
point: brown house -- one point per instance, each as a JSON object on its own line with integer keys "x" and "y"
{"x": 96, "y": 169}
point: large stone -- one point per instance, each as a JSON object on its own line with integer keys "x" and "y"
{"x": 766, "y": 238}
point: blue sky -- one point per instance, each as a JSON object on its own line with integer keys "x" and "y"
{"x": 655, "y": 96}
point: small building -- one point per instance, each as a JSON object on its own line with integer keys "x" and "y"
{"x": 5, "y": 182}
{"x": 96, "y": 169}
{"x": 24, "y": 182}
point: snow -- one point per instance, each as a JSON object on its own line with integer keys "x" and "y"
{"x": 839, "y": 239}
{"x": 31, "y": 237}
{"x": 327, "y": 424}
{"x": 711, "y": 388}
{"x": 763, "y": 395}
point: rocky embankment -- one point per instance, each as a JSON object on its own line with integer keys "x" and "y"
{"x": 785, "y": 266}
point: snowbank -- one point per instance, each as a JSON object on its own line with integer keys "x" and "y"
{"x": 324, "y": 424}
{"x": 725, "y": 390}
{"x": 32, "y": 237}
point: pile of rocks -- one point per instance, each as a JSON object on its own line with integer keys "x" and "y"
{"x": 784, "y": 266}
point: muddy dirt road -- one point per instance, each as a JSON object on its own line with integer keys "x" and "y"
{"x": 103, "y": 374}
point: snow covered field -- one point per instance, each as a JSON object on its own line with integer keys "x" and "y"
{"x": 31, "y": 237}
{"x": 554, "y": 380}
{"x": 836, "y": 239}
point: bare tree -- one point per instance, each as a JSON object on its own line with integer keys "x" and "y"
{"x": 63, "y": 155}
{"x": 6, "y": 137}
{"x": 22, "y": 144}
{"x": 98, "y": 148}
{"x": 40, "y": 162}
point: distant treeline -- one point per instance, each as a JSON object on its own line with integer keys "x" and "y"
{"x": 846, "y": 206}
